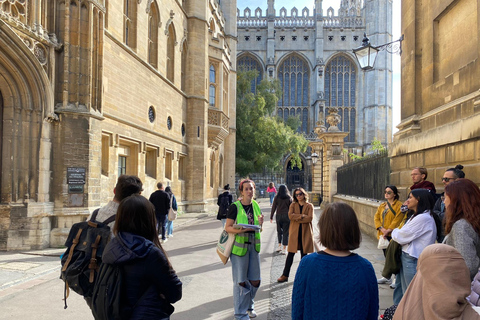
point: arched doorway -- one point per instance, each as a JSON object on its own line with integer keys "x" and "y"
{"x": 296, "y": 177}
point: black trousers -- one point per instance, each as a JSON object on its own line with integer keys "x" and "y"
{"x": 161, "y": 225}
{"x": 283, "y": 224}
{"x": 289, "y": 261}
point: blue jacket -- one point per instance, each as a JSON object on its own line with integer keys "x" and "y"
{"x": 151, "y": 283}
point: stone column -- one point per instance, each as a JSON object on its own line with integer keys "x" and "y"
{"x": 329, "y": 146}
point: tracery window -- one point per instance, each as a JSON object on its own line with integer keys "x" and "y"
{"x": 246, "y": 63}
{"x": 340, "y": 91}
{"x": 153, "y": 21}
{"x": 294, "y": 77}
{"x": 171, "y": 53}
{"x": 130, "y": 23}
{"x": 212, "y": 94}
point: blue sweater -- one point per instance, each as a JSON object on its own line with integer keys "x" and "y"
{"x": 334, "y": 288}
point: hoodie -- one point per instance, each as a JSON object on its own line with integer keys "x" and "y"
{"x": 151, "y": 285}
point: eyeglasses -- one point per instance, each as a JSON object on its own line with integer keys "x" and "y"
{"x": 388, "y": 192}
{"x": 299, "y": 194}
{"x": 447, "y": 179}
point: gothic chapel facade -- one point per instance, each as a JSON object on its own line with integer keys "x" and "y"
{"x": 92, "y": 89}
{"x": 310, "y": 53}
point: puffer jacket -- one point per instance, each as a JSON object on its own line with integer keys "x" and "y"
{"x": 151, "y": 285}
{"x": 474, "y": 297}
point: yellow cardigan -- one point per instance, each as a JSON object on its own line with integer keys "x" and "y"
{"x": 391, "y": 221}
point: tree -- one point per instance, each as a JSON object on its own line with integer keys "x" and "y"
{"x": 263, "y": 140}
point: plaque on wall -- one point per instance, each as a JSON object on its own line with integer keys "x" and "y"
{"x": 316, "y": 199}
{"x": 76, "y": 175}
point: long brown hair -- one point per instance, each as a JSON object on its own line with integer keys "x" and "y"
{"x": 338, "y": 227}
{"x": 305, "y": 194}
{"x": 136, "y": 215}
{"x": 464, "y": 197}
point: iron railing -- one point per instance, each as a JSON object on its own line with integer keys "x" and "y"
{"x": 365, "y": 178}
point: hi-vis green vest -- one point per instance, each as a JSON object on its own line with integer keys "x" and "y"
{"x": 239, "y": 246}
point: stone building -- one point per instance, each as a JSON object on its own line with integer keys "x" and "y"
{"x": 310, "y": 53}
{"x": 440, "y": 112}
{"x": 91, "y": 89}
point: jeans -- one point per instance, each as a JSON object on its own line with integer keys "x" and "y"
{"x": 168, "y": 227}
{"x": 407, "y": 271}
{"x": 397, "y": 292}
{"x": 272, "y": 195}
{"x": 244, "y": 270}
{"x": 223, "y": 222}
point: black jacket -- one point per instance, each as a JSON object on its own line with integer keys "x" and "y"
{"x": 223, "y": 202}
{"x": 147, "y": 276}
{"x": 161, "y": 201}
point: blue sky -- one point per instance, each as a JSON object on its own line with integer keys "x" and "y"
{"x": 335, "y": 4}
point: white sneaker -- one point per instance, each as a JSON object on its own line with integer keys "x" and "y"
{"x": 252, "y": 314}
{"x": 393, "y": 285}
{"x": 279, "y": 248}
{"x": 384, "y": 280}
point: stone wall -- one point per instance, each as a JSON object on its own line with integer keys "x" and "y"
{"x": 365, "y": 210}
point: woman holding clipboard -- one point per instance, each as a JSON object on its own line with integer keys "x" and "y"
{"x": 245, "y": 254}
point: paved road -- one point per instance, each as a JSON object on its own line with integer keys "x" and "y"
{"x": 30, "y": 288}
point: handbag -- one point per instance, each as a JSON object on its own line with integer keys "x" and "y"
{"x": 382, "y": 243}
{"x": 172, "y": 214}
{"x": 225, "y": 245}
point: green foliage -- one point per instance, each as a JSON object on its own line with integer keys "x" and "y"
{"x": 262, "y": 140}
{"x": 376, "y": 146}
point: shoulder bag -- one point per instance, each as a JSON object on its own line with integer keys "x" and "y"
{"x": 172, "y": 214}
{"x": 225, "y": 245}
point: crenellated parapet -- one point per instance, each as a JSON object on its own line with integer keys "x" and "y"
{"x": 349, "y": 16}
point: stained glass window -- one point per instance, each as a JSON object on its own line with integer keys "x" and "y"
{"x": 340, "y": 81}
{"x": 246, "y": 63}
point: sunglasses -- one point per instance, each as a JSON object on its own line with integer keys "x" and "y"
{"x": 388, "y": 192}
{"x": 299, "y": 194}
{"x": 447, "y": 179}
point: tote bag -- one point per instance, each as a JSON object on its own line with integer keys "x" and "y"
{"x": 224, "y": 245}
{"x": 172, "y": 214}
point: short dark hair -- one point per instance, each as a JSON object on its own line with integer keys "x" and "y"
{"x": 457, "y": 171}
{"x": 338, "y": 227}
{"x": 226, "y": 187}
{"x": 126, "y": 186}
{"x": 159, "y": 185}
{"x": 395, "y": 191}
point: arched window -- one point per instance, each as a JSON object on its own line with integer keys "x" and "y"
{"x": 246, "y": 63}
{"x": 340, "y": 90}
{"x": 130, "y": 23}
{"x": 171, "y": 53}
{"x": 184, "y": 65}
{"x": 294, "y": 75}
{"x": 153, "y": 21}
{"x": 212, "y": 94}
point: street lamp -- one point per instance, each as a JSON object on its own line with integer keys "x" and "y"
{"x": 314, "y": 158}
{"x": 366, "y": 54}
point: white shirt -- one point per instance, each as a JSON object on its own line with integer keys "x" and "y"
{"x": 416, "y": 234}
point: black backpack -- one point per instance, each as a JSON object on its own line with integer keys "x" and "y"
{"x": 83, "y": 257}
{"x": 107, "y": 293}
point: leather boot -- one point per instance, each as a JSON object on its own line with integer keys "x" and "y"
{"x": 282, "y": 279}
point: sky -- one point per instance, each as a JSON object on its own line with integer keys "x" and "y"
{"x": 335, "y": 4}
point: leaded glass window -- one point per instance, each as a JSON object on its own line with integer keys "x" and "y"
{"x": 293, "y": 75}
{"x": 340, "y": 90}
{"x": 246, "y": 63}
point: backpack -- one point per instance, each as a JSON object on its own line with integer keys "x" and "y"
{"x": 107, "y": 293}
{"x": 224, "y": 204}
{"x": 80, "y": 262}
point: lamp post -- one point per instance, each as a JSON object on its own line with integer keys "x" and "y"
{"x": 366, "y": 54}
{"x": 314, "y": 158}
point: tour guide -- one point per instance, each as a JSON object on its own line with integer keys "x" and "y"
{"x": 245, "y": 255}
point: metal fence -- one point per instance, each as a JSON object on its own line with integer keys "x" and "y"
{"x": 262, "y": 179}
{"x": 365, "y": 178}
